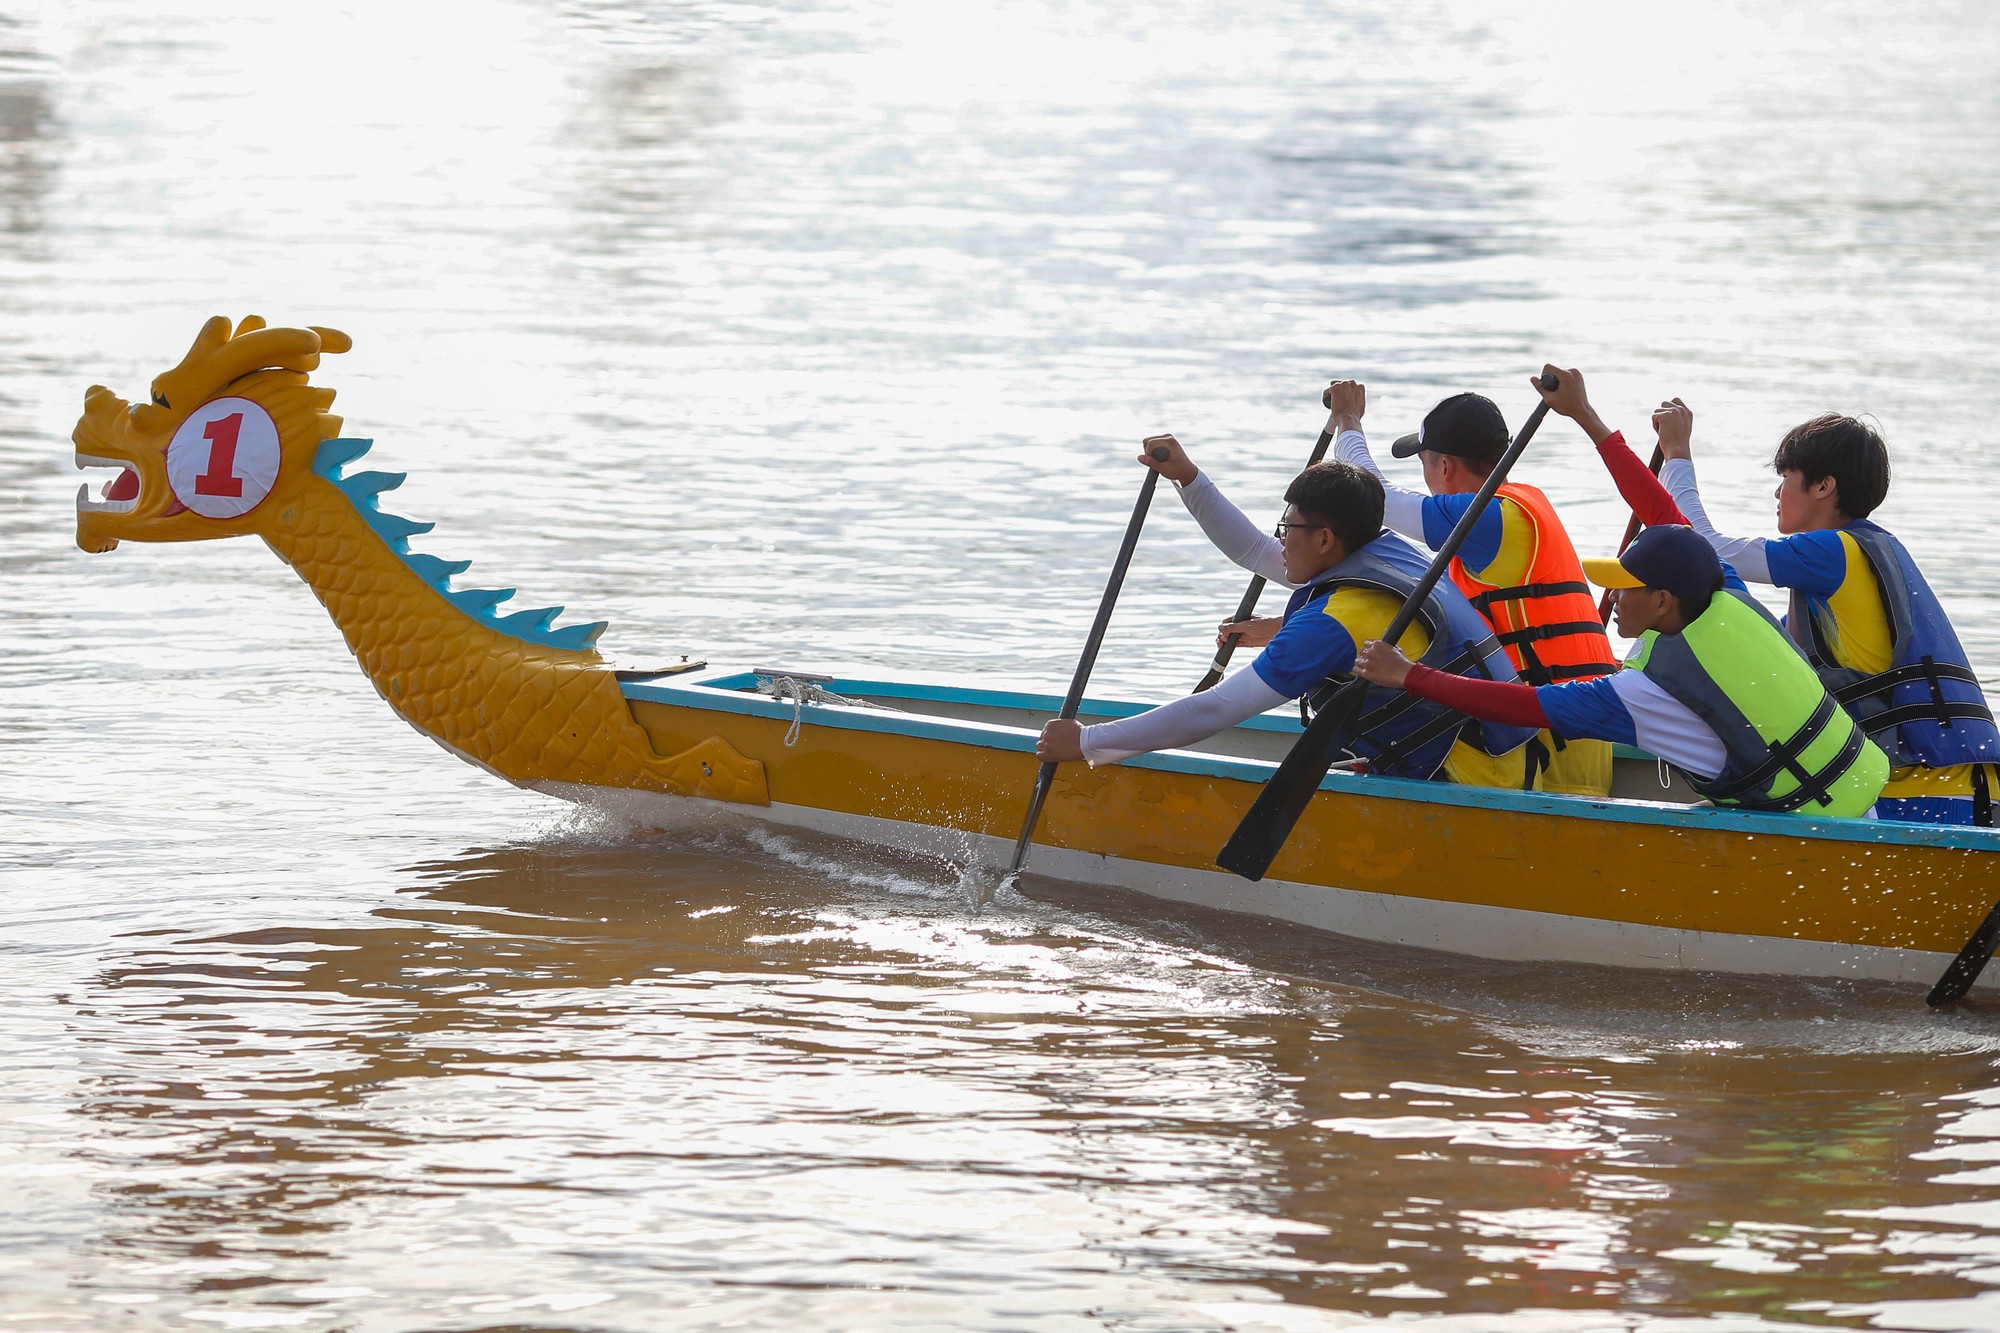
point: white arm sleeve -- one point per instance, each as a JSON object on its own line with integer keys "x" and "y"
{"x": 1184, "y": 721}
{"x": 1746, "y": 553}
{"x": 1665, "y": 726}
{"x": 1402, "y": 508}
{"x": 1232, "y": 532}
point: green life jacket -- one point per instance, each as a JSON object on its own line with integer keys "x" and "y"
{"x": 1790, "y": 747}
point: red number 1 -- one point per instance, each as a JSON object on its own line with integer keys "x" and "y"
{"x": 221, "y": 478}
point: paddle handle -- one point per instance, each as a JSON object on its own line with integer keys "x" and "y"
{"x": 1045, "y": 776}
{"x": 1631, "y": 534}
{"x": 1262, "y": 833}
{"x": 1248, "y": 605}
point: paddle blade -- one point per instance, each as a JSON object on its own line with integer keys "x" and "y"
{"x": 1971, "y": 961}
{"x": 1259, "y": 838}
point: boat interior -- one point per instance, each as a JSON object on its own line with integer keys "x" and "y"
{"x": 1636, "y": 775}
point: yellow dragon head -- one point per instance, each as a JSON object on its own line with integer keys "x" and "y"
{"x": 228, "y": 438}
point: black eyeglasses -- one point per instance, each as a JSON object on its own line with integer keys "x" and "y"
{"x": 1285, "y": 529}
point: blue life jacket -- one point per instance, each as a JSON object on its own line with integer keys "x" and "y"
{"x": 1927, "y": 708}
{"x": 1398, "y": 733}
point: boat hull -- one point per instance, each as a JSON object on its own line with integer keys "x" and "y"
{"x": 1506, "y": 875}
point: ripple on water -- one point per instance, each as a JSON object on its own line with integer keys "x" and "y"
{"x": 825, "y": 334}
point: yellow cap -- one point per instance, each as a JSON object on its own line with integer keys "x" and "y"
{"x": 1608, "y": 573}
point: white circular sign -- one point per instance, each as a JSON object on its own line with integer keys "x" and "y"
{"x": 224, "y": 459}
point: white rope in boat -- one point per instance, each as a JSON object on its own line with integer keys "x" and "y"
{"x": 803, "y": 692}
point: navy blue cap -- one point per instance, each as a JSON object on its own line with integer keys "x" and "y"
{"x": 1675, "y": 558}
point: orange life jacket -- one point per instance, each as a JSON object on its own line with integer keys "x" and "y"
{"x": 1547, "y": 623}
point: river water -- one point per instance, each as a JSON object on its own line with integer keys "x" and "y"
{"x": 820, "y": 332}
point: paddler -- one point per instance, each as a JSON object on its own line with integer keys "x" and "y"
{"x": 1862, "y": 612}
{"x": 1518, "y": 567}
{"x": 1713, "y": 687}
{"x": 1350, "y": 578}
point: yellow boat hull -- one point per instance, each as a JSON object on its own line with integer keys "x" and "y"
{"x": 1491, "y": 873}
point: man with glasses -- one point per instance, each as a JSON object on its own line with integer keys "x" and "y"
{"x": 1350, "y": 578}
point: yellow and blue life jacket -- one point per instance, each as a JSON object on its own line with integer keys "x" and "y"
{"x": 1927, "y": 708}
{"x": 1398, "y": 733}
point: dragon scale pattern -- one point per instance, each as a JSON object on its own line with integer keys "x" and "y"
{"x": 527, "y": 711}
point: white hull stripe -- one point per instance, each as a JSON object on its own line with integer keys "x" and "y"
{"x": 1503, "y": 933}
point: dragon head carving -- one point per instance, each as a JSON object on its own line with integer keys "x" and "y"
{"x": 228, "y": 438}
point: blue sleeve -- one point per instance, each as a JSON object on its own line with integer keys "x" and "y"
{"x": 1311, "y": 646}
{"x": 1731, "y": 579}
{"x": 1587, "y": 710}
{"x": 1441, "y": 515}
{"x": 1812, "y": 562}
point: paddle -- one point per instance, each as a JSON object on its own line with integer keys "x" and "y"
{"x": 1631, "y": 532}
{"x": 1255, "y": 590}
{"x": 1074, "y": 698}
{"x": 1971, "y": 961}
{"x": 1261, "y": 836}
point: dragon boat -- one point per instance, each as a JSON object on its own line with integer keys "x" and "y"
{"x": 236, "y": 440}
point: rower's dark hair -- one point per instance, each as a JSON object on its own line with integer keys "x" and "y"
{"x": 1346, "y": 498}
{"x": 1849, "y": 451}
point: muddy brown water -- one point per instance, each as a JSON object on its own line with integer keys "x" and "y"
{"x": 819, "y": 334}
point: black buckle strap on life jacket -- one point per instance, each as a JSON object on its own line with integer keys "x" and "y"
{"x": 1470, "y": 657}
{"x": 1937, "y": 690}
{"x": 1533, "y": 669}
{"x": 1820, "y": 787}
{"x": 1402, "y": 703}
{"x": 1892, "y": 718}
{"x": 1397, "y": 751}
{"x": 1522, "y": 592}
{"x": 1536, "y": 633}
{"x": 1882, "y": 682}
{"x": 1928, "y": 670}
{"x": 1982, "y": 797}
{"x": 1584, "y": 672}
{"x": 1538, "y": 760}
{"x": 1784, "y": 757}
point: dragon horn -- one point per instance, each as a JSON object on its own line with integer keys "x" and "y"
{"x": 214, "y": 333}
{"x": 285, "y": 349}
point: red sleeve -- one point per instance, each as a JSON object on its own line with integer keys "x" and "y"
{"x": 1652, "y": 502}
{"x": 1496, "y": 701}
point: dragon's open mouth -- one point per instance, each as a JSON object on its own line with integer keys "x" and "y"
{"x": 119, "y": 495}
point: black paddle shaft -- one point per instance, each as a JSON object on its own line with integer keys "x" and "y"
{"x": 1074, "y": 699}
{"x": 1971, "y": 961}
{"x": 1261, "y": 836}
{"x": 1248, "y": 605}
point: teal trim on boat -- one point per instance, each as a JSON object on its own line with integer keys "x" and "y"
{"x": 730, "y": 692}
